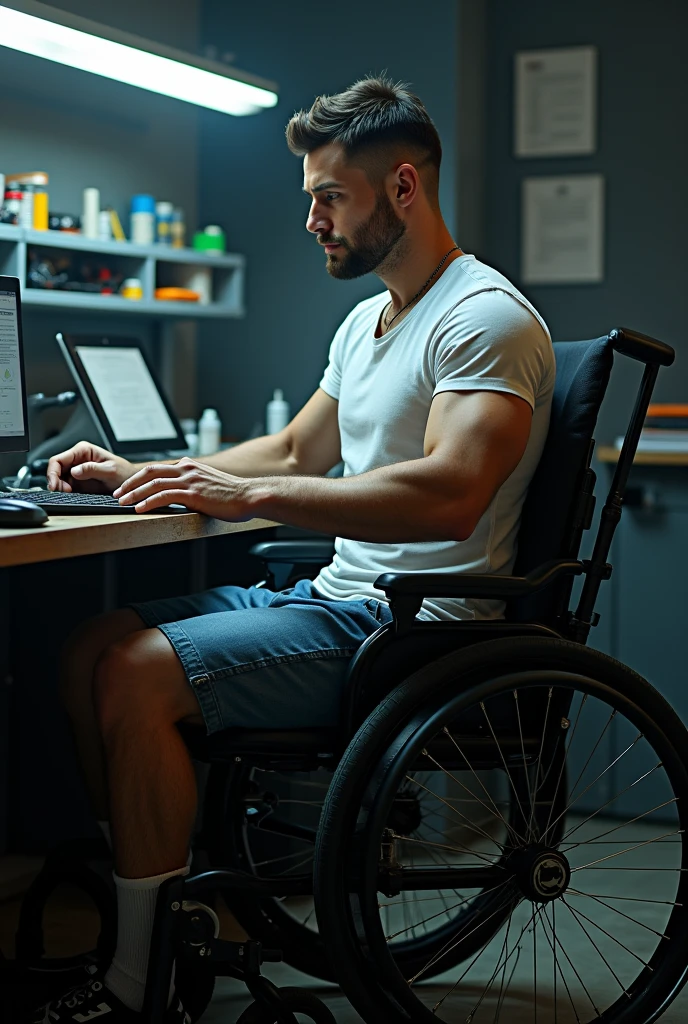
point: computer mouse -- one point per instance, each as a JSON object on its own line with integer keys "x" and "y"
{"x": 15, "y": 512}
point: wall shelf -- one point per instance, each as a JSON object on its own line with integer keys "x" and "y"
{"x": 607, "y": 453}
{"x": 154, "y": 265}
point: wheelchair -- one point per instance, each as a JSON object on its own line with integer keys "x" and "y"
{"x": 499, "y": 815}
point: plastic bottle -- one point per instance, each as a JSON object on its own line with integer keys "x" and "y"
{"x": 90, "y": 214}
{"x": 142, "y": 219}
{"x": 208, "y": 432}
{"x": 277, "y": 413}
{"x": 163, "y": 220}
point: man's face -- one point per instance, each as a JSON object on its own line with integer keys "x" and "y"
{"x": 355, "y": 222}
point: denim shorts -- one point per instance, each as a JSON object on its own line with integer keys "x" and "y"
{"x": 257, "y": 659}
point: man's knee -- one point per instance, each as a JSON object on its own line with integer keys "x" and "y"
{"x": 85, "y": 645}
{"x": 140, "y": 678}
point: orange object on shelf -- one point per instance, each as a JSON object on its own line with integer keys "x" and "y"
{"x": 667, "y": 409}
{"x": 177, "y": 294}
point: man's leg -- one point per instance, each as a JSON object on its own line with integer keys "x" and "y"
{"x": 140, "y": 692}
{"x": 78, "y": 660}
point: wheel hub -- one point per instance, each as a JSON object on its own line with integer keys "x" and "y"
{"x": 543, "y": 874}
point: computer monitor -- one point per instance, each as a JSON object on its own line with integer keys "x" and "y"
{"x": 14, "y": 420}
{"x": 120, "y": 390}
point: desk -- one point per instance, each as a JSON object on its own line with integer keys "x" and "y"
{"x": 70, "y": 536}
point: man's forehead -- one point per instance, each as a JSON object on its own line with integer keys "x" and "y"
{"x": 327, "y": 163}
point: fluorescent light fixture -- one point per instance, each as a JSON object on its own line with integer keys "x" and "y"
{"x": 47, "y": 32}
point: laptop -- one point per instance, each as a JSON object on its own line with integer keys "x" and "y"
{"x": 119, "y": 388}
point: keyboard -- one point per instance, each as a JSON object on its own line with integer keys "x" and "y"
{"x": 69, "y": 503}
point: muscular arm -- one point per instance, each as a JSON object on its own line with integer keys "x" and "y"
{"x": 473, "y": 442}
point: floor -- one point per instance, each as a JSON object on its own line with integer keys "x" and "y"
{"x": 71, "y": 925}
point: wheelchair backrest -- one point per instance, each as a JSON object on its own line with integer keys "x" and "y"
{"x": 556, "y": 506}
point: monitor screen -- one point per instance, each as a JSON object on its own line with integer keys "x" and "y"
{"x": 121, "y": 391}
{"x": 13, "y": 420}
{"x": 127, "y": 393}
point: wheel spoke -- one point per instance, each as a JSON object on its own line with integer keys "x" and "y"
{"x": 596, "y": 780}
{"x": 553, "y": 946}
{"x": 538, "y": 764}
{"x": 601, "y": 955}
{"x": 466, "y": 823}
{"x": 633, "y": 899}
{"x": 503, "y": 760}
{"x": 451, "y": 945}
{"x": 634, "y": 920}
{"x": 482, "y": 785}
{"x": 613, "y": 799}
{"x": 496, "y": 971}
{"x": 629, "y": 849}
{"x": 614, "y": 939}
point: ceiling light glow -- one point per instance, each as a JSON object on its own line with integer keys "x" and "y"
{"x": 123, "y": 63}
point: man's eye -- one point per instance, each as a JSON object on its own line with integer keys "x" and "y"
{"x": 331, "y": 195}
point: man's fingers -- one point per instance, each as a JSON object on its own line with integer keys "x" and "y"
{"x": 146, "y": 474}
{"x": 94, "y": 470}
{"x": 161, "y": 499}
{"x": 145, "y": 490}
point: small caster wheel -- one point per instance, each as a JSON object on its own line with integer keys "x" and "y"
{"x": 299, "y": 1001}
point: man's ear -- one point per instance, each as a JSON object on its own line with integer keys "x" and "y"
{"x": 407, "y": 184}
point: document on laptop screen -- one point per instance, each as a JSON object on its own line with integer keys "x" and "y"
{"x": 11, "y": 410}
{"x": 127, "y": 393}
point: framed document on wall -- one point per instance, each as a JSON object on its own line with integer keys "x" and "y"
{"x": 555, "y": 99}
{"x": 562, "y": 229}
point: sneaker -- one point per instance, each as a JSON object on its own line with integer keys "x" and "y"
{"x": 93, "y": 1000}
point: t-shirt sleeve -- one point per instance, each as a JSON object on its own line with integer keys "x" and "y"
{"x": 332, "y": 377}
{"x": 491, "y": 342}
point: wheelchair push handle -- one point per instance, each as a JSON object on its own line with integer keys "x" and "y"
{"x": 641, "y": 347}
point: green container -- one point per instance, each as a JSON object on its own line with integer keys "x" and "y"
{"x": 209, "y": 241}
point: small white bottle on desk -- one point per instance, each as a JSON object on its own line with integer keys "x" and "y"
{"x": 209, "y": 432}
{"x": 277, "y": 413}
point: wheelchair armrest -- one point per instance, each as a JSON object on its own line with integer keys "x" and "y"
{"x": 405, "y": 591}
{"x": 316, "y": 550}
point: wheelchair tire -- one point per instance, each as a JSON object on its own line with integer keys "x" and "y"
{"x": 296, "y": 1000}
{"x": 435, "y": 703}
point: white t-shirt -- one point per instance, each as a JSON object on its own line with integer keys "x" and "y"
{"x": 472, "y": 331}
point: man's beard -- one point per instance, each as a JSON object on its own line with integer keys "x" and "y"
{"x": 372, "y": 244}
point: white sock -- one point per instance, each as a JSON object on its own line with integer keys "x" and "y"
{"x": 104, "y": 827}
{"x": 136, "y": 899}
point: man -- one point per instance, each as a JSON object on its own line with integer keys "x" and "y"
{"x": 436, "y": 396}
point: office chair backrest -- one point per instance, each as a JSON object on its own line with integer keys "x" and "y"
{"x": 550, "y": 521}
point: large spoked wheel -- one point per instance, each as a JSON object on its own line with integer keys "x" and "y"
{"x": 582, "y": 911}
{"x": 270, "y": 828}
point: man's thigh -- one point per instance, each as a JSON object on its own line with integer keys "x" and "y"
{"x": 271, "y": 660}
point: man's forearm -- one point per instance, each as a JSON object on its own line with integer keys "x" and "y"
{"x": 402, "y": 503}
{"x": 262, "y": 456}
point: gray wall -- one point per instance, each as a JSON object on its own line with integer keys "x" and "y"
{"x": 250, "y": 183}
{"x": 643, "y": 154}
{"x": 84, "y": 131}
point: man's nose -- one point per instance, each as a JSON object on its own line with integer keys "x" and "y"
{"x": 317, "y": 222}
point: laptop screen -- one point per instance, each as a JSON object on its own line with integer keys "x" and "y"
{"x": 13, "y": 420}
{"x": 121, "y": 392}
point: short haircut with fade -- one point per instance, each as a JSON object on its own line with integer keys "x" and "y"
{"x": 374, "y": 121}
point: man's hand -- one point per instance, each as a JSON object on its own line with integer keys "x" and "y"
{"x": 201, "y": 488}
{"x": 87, "y": 468}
